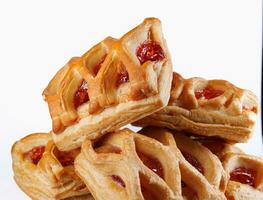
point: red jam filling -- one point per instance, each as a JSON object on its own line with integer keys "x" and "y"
{"x": 152, "y": 163}
{"x": 147, "y": 194}
{"x": 123, "y": 77}
{"x": 243, "y": 175}
{"x": 81, "y": 96}
{"x": 149, "y": 50}
{"x": 35, "y": 154}
{"x": 194, "y": 162}
{"x": 66, "y": 158}
{"x": 208, "y": 93}
{"x": 118, "y": 180}
{"x": 97, "y": 67}
{"x": 183, "y": 184}
{"x": 254, "y": 109}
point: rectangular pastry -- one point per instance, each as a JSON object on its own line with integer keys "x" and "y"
{"x": 115, "y": 83}
{"x": 207, "y": 108}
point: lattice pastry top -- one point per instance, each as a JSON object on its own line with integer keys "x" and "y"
{"x": 116, "y": 82}
{"x": 126, "y": 165}
{"x": 209, "y": 108}
{"x": 43, "y": 172}
{"x": 202, "y": 174}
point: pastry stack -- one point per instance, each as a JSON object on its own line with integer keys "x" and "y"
{"x": 185, "y": 149}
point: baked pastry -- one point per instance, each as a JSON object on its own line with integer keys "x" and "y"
{"x": 115, "y": 83}
{"x": 246, "y": 176}
{"x": 203, "y": 176}
{"x": 125, "y": 165}
{"x": 208, "y": 108}
{"x": 44, "y": 172}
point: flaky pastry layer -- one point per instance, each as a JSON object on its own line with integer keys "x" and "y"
{"x": 208, "y": 108}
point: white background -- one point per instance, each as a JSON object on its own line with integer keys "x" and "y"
{"x": 212, "y": 39}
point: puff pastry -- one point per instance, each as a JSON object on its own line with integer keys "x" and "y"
{"x": 202, "y": 174}
{"x": 246, "y": 176}
{"x": 208, "y": 108}
{"x": 115, "y": 83}
{"x": 126, "y": 165}
{"x": 44, "y": 172}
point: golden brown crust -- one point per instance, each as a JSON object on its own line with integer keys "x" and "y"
{"x": 116, "y": 168}
{"x": 229, "y": 114}
{"x": 209, "y": 185}
{"x": 240, "y": 191}
{"x": 109, "y": 106}
{"x": 47, "y": 178}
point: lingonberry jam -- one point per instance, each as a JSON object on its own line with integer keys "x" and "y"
{"x": 183, "y": 184}
{"x": 208, "y": 93}
{"x": 253, "y": 109}
{"x": 194, "y": 162}
{"x": 66, "y": 158}
{"x": 147, "y": 194}
{"x": 81, "y": 96}
{"x": 243, "y": 175}
{"x": 149, "y": 50}
{"x": 152, "y": 163}
{"x": 123, "y": 77}
{"x": 118, "y": 180}
{"x": 97, "y": 67}
{"x": 35, "y": 154}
